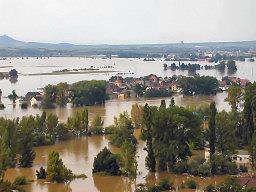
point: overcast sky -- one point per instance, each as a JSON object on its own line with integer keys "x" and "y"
{"x": 128, "y": 21}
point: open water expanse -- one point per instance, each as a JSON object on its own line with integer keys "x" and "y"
{"x": 78, "y": 154}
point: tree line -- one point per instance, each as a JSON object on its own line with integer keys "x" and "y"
{"x": 82, "y": 93}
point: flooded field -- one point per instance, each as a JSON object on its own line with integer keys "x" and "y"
{"x": 127, "y": 67}
{"x": 78, "y": 154}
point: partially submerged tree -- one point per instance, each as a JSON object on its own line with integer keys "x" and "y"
{"x": 56, "y": 170}
{"x": 106, "y": 162}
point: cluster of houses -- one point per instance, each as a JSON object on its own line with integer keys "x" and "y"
{"x": 123, "y": 87}
{"x": 226, "y": 82}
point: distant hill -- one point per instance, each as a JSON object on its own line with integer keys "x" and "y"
{"x": 12, "y": 47}
{"x": 9, "y": 42}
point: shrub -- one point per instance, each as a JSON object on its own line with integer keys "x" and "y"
{"x": 20, "y": 180}
{"x": 165, "y": 184}
{"x": 209, "y": 188}
{"x": 232, "y": 168}
{"x": 109, "y": 129}
{"x": 180, "y": 167}
{"x": 96, "y": 130}
{"x": 191, "y": 184}
{"x": 204, "y": 170}
{"x": 41, "y": 174}
{"x": 194, "y": 164}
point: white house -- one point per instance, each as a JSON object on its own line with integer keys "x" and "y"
{"x": 241, "y": 157}
{"x": 36, "y": 101}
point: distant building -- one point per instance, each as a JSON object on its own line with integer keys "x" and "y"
{"x": 241, "y": 156}
{"x": 33, "y": 98}
{"x": 36, "y": 101}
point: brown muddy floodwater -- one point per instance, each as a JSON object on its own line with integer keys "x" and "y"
{"x": 78, "y": 154}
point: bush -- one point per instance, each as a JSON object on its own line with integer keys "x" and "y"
{"x": 231, "y": 168}
{"x": 204, "y": 170}
{"x": 180, "y": 167}
{"x": 109, "y": 130}
{"x": 20, "y": 180}
{"x": 24, "y": 105}
{"x": 191, "y": 184}
{"x": 164, "y": 184}
{"x": 243, "y": 168}
{"x": 96, "y": 130}
{"x": 209, "y": 188}
{"x": 41, "y": 174}
{"x": 6, "y": 186}
{"x": 194, "y": 164}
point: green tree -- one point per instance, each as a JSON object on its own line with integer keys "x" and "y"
{"x": 163, "y": 104}
{"x": 128, "y": 156}
{"x": 249, "y": 112}
{"x": 172, "y": 103}
{"x": 13, "y": 96}
{"x": 78, "y": 123}
{"x": 234, "y": 97}
{"x": 49, "y": 98}
{"x": 212, "y": 133}
{"x": 8, "y": 134}
{"x": 56, "y": 170}
{"x": 41, "y": 174}
{"x": 225, "y": 133}
{"x": 62, "y": 94}
{"x": 252, "y": 150}
{"x": 25, "y": 141}
{"x": 51, "y": 126}
{"x": 173, "y": 129}
{"x": 147, "y": 132}
{"x": 84, "y": 93}
{"x": 138, "y": 89}
{"x": 97, "y": 125}
{"x": 106, "y": 162}
{"x": 97, "y": 121}
{"x": 136, "y": 115}
{"x": 123, "y": 130}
